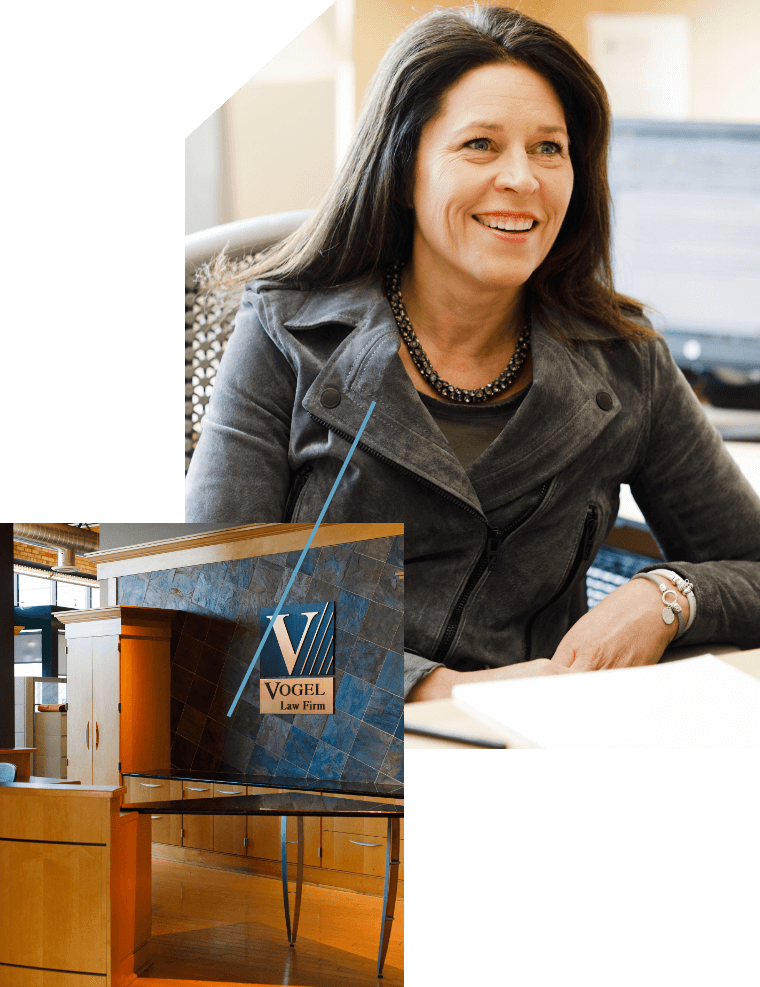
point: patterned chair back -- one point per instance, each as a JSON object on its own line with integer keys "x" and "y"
{"x": 7, "y": 773}
{"x": 210, "y": 318}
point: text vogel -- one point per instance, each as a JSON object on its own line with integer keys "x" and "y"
{"x": 297, "y": 689}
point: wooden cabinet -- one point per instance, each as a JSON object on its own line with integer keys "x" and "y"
{"x": 357, "y": 853}
{"x": 351, "y": 845}
{"x": 359, "y": 826}
{"x": 229, "y": 831}
{"x": 50, "y": 743}
{"x": 198, "y": 831}
{"x": 264, "y": 835}
{"x": 118, "y": 691}
{"x": 358, "y": 845}
{"x": 164, "y": 829}
{"x": 76, "y": 901}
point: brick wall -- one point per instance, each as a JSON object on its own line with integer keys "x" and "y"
{"x": 46, "y": 556}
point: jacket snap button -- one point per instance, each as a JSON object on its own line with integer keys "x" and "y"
{"x": 604, "y": 400}
{"x": 330, "y": 397}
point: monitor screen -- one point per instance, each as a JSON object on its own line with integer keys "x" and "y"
{"x": 686, "y": 232}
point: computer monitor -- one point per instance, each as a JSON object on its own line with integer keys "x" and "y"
{"x": 686, "y": 235}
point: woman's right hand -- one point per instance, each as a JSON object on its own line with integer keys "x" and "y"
{"x": 520, "y": 670}
{"x": 441, "y": 681}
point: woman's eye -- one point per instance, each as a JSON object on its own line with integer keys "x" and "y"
{"x": 550, "y": 148}
{"x": 557, "y": 148}
{"x": 479, "y": 144}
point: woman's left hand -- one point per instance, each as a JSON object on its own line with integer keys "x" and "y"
{"x": 626, "y": 628}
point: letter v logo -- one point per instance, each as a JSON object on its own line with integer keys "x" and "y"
{"x": 290, "y": 656}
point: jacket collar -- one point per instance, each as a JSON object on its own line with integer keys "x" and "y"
{"x": 559, "y": 417}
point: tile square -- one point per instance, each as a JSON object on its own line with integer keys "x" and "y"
{"x": 358, "y": 771}
{"x": 312, "y": 724}
{"x": 232, "y": 675}
{"x": 287, "y": 770}
{"x": 262, "y": 762}
{"x": 221, "y": 634}
{"x": 379, "y": 624}
{"x": 162, "y": 579}
{"x": 196, "y": 625}
{"x": 391, "y": 677}
{"x": 332, "y": 563}
{"x": 206, "y": 589}
{"x": 188, "y": 652}
{"x": 328, "y": 762}
{"x": 231, "y": 601}
{"x": 389, "y": 589}
{"x": 299, "y": 748}
{"x": 340, "y": 730}
{"x": 184, "y": 581}
{"x": 220, "y": 704}
{"x": 350, "y": 611}
{"x": 205, "y": 761}
{"x": 191, "y": 724}
{"x": 130, "y": 590}
{"x": 384, "y": 710}
{"x": 362, "y": 575}
{"x": 300, "y": 591}
{"x": 322, "y": 590}
{"x": 246, "y": 720}
{"x": 397, "y": 644}
{"x": 238, "y": 750}
{"x": 239, "y": 572}
{"x": 273, "y": 734}
{"x": 353, "y": 695}
{"x": 371, "y": 745}
{"x": 200, "y": 695}
{"x": 214, "y": 737}
{"x": 175, "y": 711}
{"x": 376, "y": 548}
{"x": 393, "y": 763}
{"x": 210, "y": 664}
{"x": 267, "y": 583}
{"x": 307, "y": 566}
{"x": 396, "y": 554}
{"x": 181, "y": 680}
{"x": 245, "y": 641}
{"x": 183, "y": 752}
{"x": 366, "y": 661}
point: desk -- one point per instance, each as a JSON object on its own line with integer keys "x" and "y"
{"x": 21, "y": 757}
{"x": 39, "y": 780}
{"x": 443, "y": 723}
{"x": 300, "y": 804}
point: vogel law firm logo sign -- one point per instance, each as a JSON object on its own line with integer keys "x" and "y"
{"x": 297, "y": 661}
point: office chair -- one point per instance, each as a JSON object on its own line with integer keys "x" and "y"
{"x": 7, "y": 773}
{"x": 209, "y": 319}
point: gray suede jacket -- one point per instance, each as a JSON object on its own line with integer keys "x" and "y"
{"x": 495, "y": 557}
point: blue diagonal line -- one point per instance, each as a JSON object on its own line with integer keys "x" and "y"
{"x": 307, "y": 546}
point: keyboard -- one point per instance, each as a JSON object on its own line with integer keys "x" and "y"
{"x": 611, "y": 568}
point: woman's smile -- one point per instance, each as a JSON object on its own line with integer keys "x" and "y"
{"x": 507, "y": 235}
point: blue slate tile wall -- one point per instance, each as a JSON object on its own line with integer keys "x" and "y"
{"x": 215, "y": 635}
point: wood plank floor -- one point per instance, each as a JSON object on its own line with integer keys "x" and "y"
{"x": 212, "y": 926}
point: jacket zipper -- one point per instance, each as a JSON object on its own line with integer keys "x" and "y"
{"x": 494, "y": 536}
{"x": 582, "y": 555}
{"x": 295, "y": 492}
{"x": 487, "y": 561}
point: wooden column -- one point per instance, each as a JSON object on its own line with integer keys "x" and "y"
{"x": 7, "y": 726}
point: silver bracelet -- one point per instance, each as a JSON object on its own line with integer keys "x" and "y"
{"x": 671, "y": 609}
{"x": 685, "y": 587}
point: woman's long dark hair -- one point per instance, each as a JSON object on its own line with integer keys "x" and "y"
{"x": 363, "y": 224}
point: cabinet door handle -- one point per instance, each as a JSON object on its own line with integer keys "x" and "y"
{"x": 220, "y": 791}
{"x": 156, "y": 817}
{"x": 87, "y": 735}
{"x": 97, "y": 735}
{"x": 146, "y": 785}
{"x": 364, "y": 844}
{"x": 198, "y": 789}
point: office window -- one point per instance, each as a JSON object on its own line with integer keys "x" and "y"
{"x": 75, "y": 592}
{"x": 27, "y": 652}
{"x": 33, "y": 591}
{"x": 71, "y": 595}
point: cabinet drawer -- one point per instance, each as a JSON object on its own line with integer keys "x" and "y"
{"x": 151, "y": 789}
{"x": 264, "y": 835}
{"x": 355, "y": 824}
{"x": 229, "y": 831}
{"x": 164, "y": 829}
{"x": 49, "y": 745}
{"x": 348, "y": 852}
{"x": 168, "y": 829}
{"x": 263, "y": 831}
{"x": 198, "y": 830}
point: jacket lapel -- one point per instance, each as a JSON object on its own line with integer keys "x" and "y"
{"x": 558, "y": 420}
{"x": 559, "y": 417}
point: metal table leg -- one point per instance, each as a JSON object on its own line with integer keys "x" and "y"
{"x": 299, "y": 875}
{"x": 391, "y": 886}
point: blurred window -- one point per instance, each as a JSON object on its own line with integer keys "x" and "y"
{"x": 33, "y": 591}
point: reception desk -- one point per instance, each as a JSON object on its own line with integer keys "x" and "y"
{"x": 75, "y": 907}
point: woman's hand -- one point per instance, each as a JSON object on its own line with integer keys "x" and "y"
{"x": 439, "y": 683}
{"x": 626, "y": 628}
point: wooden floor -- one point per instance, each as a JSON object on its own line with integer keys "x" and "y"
{"x": 212, "y": 926}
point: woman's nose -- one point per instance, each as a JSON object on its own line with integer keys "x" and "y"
{"x": 515, "y": 175}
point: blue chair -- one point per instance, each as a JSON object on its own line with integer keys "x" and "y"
{"x": 7, "y": 773}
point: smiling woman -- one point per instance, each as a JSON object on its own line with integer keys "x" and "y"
{"x": 463, "y": 287}
{"x": 366, "y": 220}
{"x": 458, "y": 275}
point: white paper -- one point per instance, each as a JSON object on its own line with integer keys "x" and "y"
{"x": 694, "y": 703}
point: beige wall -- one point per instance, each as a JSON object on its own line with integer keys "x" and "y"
{"x": 278, "y": 137}
{"x": 725, "y": 74}
{"x": 281, "y": 145}
{"x": 279, "y": 129}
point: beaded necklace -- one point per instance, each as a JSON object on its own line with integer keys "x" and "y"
{"x": 421, "y": 362}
